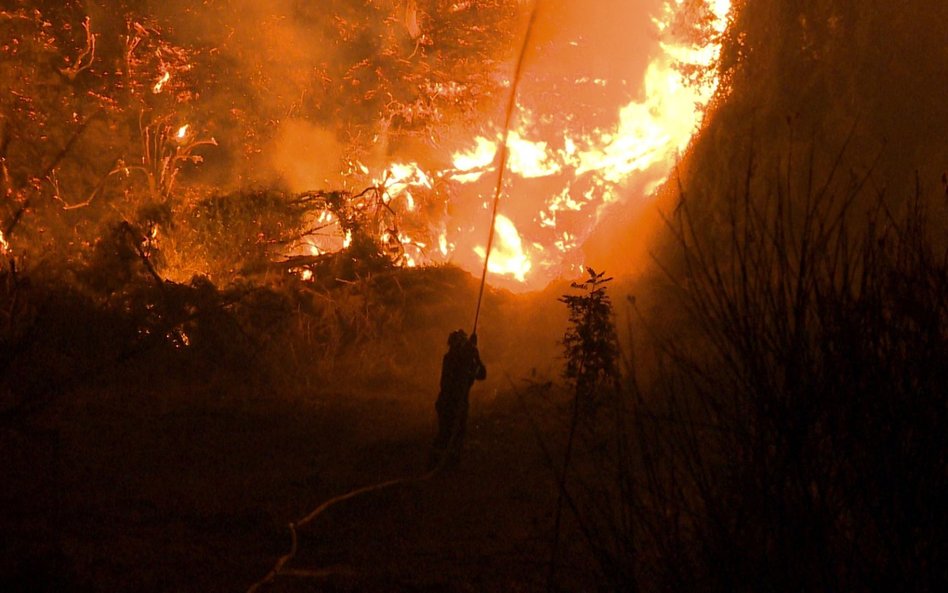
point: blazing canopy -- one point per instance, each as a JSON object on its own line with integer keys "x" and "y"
{"x": 190, "y": 123}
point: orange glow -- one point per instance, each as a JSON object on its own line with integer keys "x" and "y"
{"x": 530, "y": 159}
{"x": 443, "y": 245}
{"x": 471, "y": 165}
{"x": 587, "y": 170}
{"x": 565, "y": 165}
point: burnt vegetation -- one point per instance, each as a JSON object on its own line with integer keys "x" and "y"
{"x": 180, "y": 375}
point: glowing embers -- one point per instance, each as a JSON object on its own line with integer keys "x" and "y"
{"x": 386, "y": 211}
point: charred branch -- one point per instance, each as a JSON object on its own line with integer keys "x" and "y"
{"x": 5, "y": 137}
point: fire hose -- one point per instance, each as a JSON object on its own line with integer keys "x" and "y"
{"x": 504, "y": 155}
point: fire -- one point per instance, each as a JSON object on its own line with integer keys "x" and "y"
{"x": 183, "y": 132}
{"x": 4, "y": 244}
{"x": 443, "y": 245}
{"x": 400, "y": 178}
{"x": 585, "y": 171}
{"x": 160, "y": 84}
{"x": 471, "y": 165}
{"x": 507, "y": 256}
{"x": 530, "y": 159}
{"x": 563, "y": 171}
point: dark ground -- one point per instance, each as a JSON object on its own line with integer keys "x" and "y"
{"x": 149, "y": 490}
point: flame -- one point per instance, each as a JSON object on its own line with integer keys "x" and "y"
{"x": 507, "y": 256}
{"x": 530, "y": 159}
{"x": 471, "y": 165}
{"x": 162, "y": 81}
{"x": 591, "y": 170}
{"x": 183, "y": 132}
{"x": 563, "y": 170}
{"x": 398, "y": 180}
{"x": 4, "y": 245}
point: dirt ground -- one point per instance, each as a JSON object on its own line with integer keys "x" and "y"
{"x": 150, "y": 492}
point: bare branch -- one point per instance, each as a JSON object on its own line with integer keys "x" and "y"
{"x": 60, "y": 156}
{"x": 86, "y": 57}
{"x": 95, "y": 192}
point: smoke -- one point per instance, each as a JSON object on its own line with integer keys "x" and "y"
{"x": 294, "y": 89}
{"x": 258, "y": 61}
{"x": 307, "y": 157}
{"x": 362, "y": 73}
{"x": 610, "y": 41}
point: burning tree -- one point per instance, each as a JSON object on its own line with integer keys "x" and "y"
{"x": 91, "y": 135}
{"x": 110, "y": 112}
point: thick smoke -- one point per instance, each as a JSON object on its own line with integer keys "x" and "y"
{"x": 307, "y": 157}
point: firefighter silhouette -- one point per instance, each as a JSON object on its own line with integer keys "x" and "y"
{"x": 460, "y": 367}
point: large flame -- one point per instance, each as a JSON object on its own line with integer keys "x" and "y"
{"x": 600, "y": 167}
{"x": 507, "y": 257}
{"x": 562, "y": 172}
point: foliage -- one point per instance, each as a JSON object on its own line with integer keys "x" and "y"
{"x": 822, "y": 335}
{"x": 590, "y": 346}
{"x": 785, "y": 432}
{"x": 89, "y": 139}
{"x": 830, "y": 69}
{"x": 591, "y": 352}
{"x": 432, "y": 58}
{"x": 231, "y": 236}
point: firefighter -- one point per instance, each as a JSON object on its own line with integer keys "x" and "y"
{"x": 460, "y": 368}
